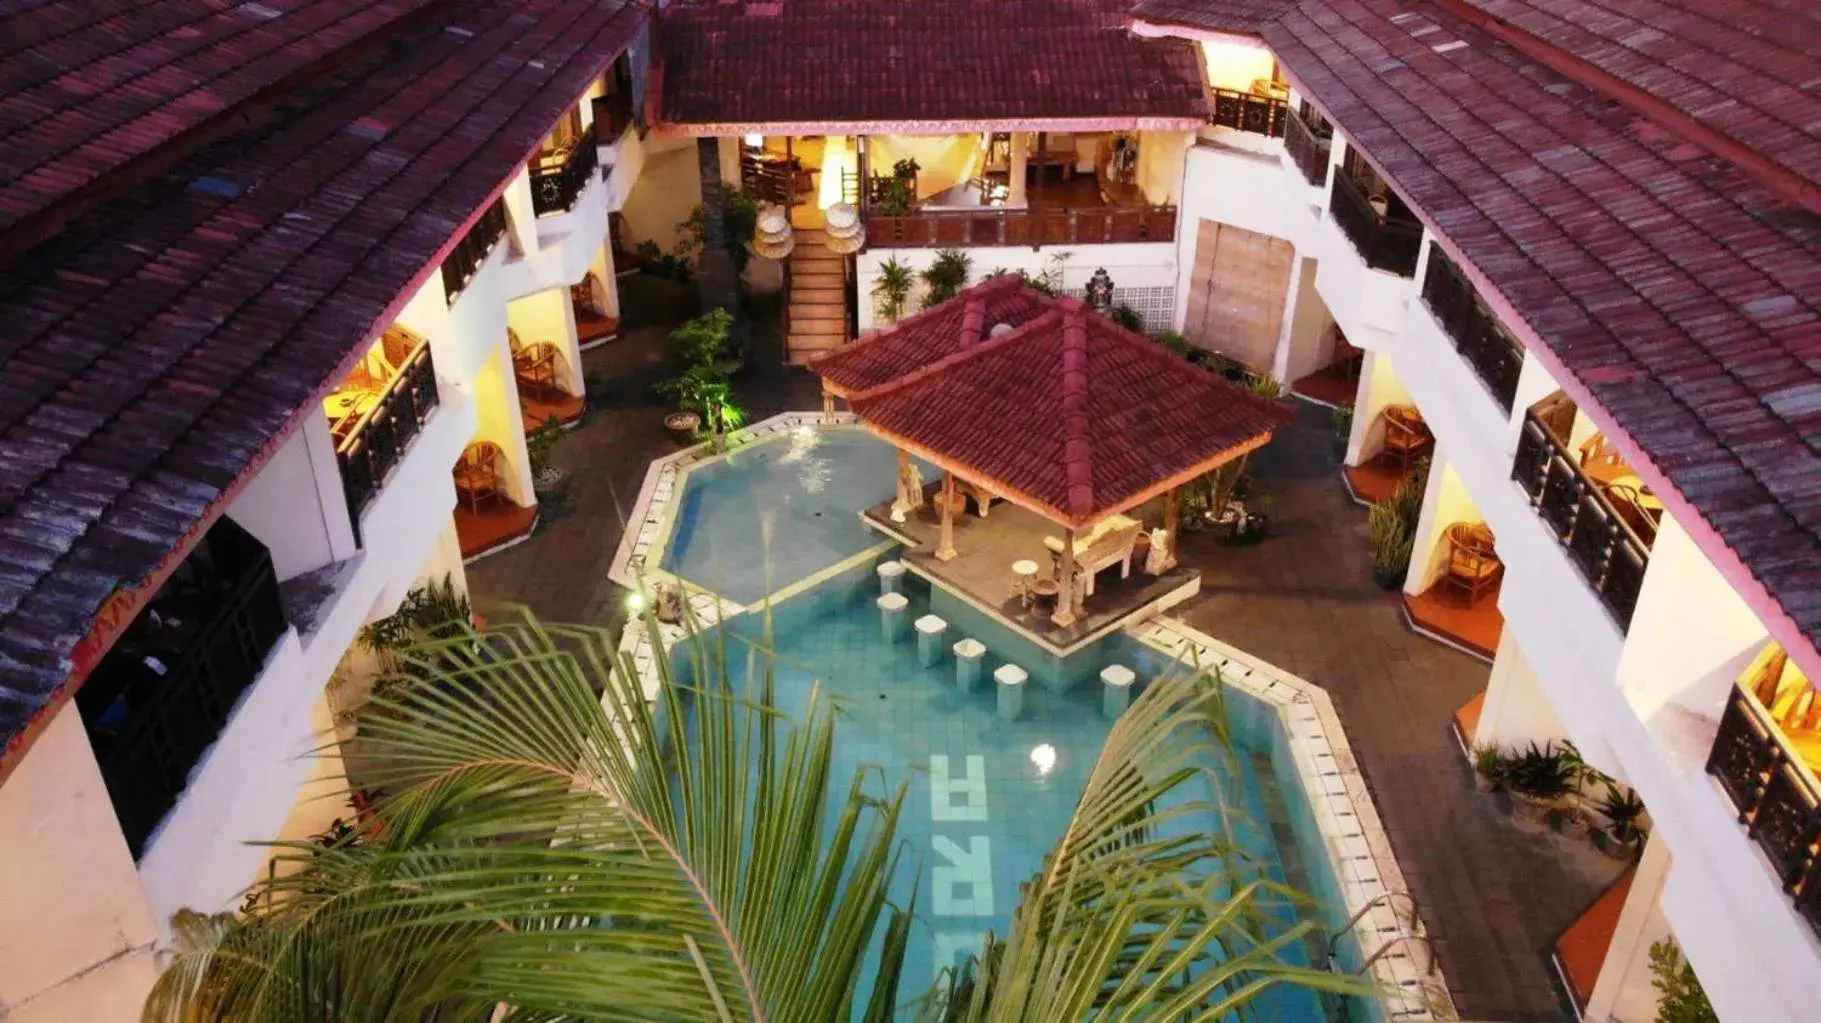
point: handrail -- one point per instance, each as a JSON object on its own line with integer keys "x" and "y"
{"x": 1249, "y": 112}
{"x": 380, "y": 438}
{"x": 1777, "y": 796}
{"x": 1383, "y": 242}
{"x": 1307, "y": 149}
{"x": 1383, "y": 897}
{"x": 465, "y": 260}
{"x": 1611, "y": 557}
{"x": 1495, "y": 355}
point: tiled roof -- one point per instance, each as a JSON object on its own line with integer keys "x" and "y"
{"x": 159, "y": 348}
{"x": 951, "y": 62}
{"x": 1673, "y": 290}
{"x": 87, "y": 88}
{"x": 1243, "y": 17}
{"x": 930, "y": 335}
{"x": 1745, "y": 69}
{"x": 1070, "y": 412}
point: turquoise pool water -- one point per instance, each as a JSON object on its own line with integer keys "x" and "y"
{"x": 986, "y": 797}
{"x": 806, "y": 490}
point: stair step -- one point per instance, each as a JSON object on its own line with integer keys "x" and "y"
{"x": 817, "y": 315}
{"x": 814, "y": 294}
{"x": 818, "y": 328}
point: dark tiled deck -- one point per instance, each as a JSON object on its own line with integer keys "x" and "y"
{"x": 1444, "y": 612}
{"x": 1374, "y": 479}
{"x": 981, "y": 570}
{"x": 1495, "y": 898}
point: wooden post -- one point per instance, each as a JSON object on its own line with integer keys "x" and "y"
{"x": 945, "y": 547}
{"x": 1172, "y": 512}
{"x": 790, "y": 184}
{"x": 1037, "y": 200}
{"x": 828, "y": 406}
{"x": 1065, "y": 583}
{"x": 860, "y": 171}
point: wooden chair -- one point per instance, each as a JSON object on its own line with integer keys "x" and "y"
{"x": 582, "y": 295}
{"x": 1631, "y": 505}
{"x": 1347, "y": 359}
{"x": 477, "y": 474}
{"x": 1407, "y": 437}
{"x": 1473, "y": 565}
{"x": 534, "y": 364}
{"x": 1110, "y": 542}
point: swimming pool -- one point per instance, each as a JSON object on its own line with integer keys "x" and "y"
{"x": 987, "y": 797}
{"x": 1316, "y": 826}
{"x": 777, "y": 512}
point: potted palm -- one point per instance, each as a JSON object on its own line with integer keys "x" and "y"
{"x": 704, "y": 390}
{"x": 1623, "y": 835}
{"x": 547, "y": 478}
{"x": 1538, "y": 780}
{"x": 1488, "y": 767}
{"x": 892, "y": 289}
{"x": 945, "y": 276}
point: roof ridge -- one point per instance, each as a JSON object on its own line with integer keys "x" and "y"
{"x": 1077, "y": 450}
{"x": 991, "y": 344}
{"x": 997, "y": 282}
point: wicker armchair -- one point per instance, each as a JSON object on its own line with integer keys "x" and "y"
{"x": 478, "y": 474}
{"x": 1473, "y": 564}
{"x": 533, "y": 364}
{"x": 1407, "y": 437}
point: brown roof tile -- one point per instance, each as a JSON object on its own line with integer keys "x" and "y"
{"x": 954, "y": 62}
{"x": 160, "y": 346}
{"x": 1069, "y": 411}
{"x": 1682, "y": 295}
{"x": 930, "y": 335}
{"x": 1243, "y": 17}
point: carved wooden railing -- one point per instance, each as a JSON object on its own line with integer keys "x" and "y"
{"x": 1250, "y": 112}
{"x": 558, "y": 177}
{"x": 1610, "y": 556}
{"x": 1308, "y": 149}
{"x": 993, "y": 226}
{"x": 1383, "y": 241}
{"x": 469, "y": 253}
{"x": 381, "y": 438}
{"x": 1489, "y": 348}
{"x": 1776, "y": 797}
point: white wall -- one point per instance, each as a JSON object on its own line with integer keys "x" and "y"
{"x": 1131, "y": 266}
{"x": 75, "y": 932}
{"x": 1445, "y": 502}
{"x": 1516, "y": 710}
{"x": 295, "y": 505}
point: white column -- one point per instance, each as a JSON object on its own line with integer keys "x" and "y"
{"x": 1445, "y": 502}
{"x": 1019, "y": 164}
{"x": 1623, "y": 992}
{"x": 1379, "y": 386}
{"x": 1516, "y": 710}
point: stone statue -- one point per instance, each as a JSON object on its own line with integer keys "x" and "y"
{"x": 910, "y": 491}
{"x": 1157, "y": 559}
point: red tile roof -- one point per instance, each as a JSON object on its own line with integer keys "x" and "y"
{"x": 159, "y": 348}
{"x": 89, "y": 88}
{"x": 1669, "y": 287}
{"x": 1743, "y": 69}
{"x": 1070, "y": 414}
{"x": 1243, "y": 17}
{"x": 930, "y": 335}
{"x": 939, "y": 64}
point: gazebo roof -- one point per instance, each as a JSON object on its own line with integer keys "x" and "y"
{"x": 932, "y": 334}
{"x": 1069, "y": 414}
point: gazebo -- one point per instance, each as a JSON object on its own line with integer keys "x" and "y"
{"x": 1046, "y": 404}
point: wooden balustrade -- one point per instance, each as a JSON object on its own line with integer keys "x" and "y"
{"x": 1776, "y": 797}
{"x": 465, "y": 260}
{"x": 1249, "y": 112}
{"x": 1308, "y": 149}
{"x": 1609, "y": 555}
{"x": 377, "y": 443}
{"x": 558, "y": 177}
{"x": 1384, "y": 242}
{"x": 1496, "y": 357}
{"x": 997, "y": 226}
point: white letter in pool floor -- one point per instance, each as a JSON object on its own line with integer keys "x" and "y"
{"x": 972, "y": 867}
{"x": 953, "y": 947}
{"x": 971, "y": 787}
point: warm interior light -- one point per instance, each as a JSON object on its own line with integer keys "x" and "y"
{"x": 753, "y": 141}
{"x": 838, "y": 160}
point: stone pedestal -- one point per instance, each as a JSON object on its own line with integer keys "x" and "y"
{"x": 894, "y": 610}
{"x": 1011, "y": 679}
{"x": 970, "y": 655}
{"x": 891, "y": 576}
{"x": 1115, "y": 690}
{"x": 930, "y": 630}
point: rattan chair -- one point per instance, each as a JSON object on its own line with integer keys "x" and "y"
{"x": 1407, "y": 437}
{"x": 533, "y": 364}
{"x": 1473, "y": 564}
{"x": 478, "y": 474}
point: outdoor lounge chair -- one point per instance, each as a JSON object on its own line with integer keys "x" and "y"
{"x": 1110, "y": 541}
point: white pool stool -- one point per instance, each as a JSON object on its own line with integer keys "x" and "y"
{"x": 930, "y": 630}
{"x": 894, "y": 609}
{"x": 970, "y": 654}
{"x": 1116, "y": 690}
{"x": 1011, "y": 679}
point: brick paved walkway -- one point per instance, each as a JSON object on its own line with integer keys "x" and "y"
{"x": 1494, "y": 897}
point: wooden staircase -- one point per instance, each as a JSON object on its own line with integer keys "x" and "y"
{"x": 818, "y": 305}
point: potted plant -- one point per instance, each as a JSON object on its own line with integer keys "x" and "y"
{"x": 1343, "y": 427}
{"x": 1488, "y": 767}
{"x": 1538, "y": 779}
{"x": 946, "y": 275}
{"x": 547, "y": 479}
{"x": 704, "y": 390}
{"x": 1680, "y": 996}
{"x": 892, "y": 288}
{"x": 1392, "y": 542}
{"x": 1623, "y": 835}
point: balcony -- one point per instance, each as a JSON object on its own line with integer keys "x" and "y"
{"x": 160, "y": 698}
{"x": 1582, "y": 513}
{"x": 1308, "y": 147}
{"x": 559, "y": 175}
{"x": 1249, "y": 112}
{"x": 1387, "y": 237}
{"x": 469, "y": 253}
{"x": 1496, "y": 356}
{"x": 612, "y": 116}
{"x": 382, "y": 422}
{"x": 994, "y": 226}
{"x": 1763, "y": 759}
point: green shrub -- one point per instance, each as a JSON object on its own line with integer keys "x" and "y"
{"x": 893, "y": 287}
{"x": 1680, "y": 997}
{"x": 946, "y": 276}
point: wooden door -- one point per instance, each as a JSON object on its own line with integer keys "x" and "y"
{"x": 1237, "y": 293}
